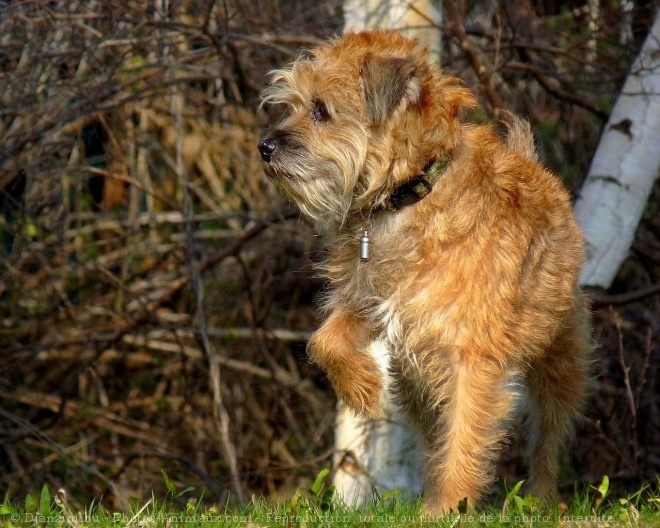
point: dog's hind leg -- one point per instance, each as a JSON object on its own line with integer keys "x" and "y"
{"x": 558, "y": 384}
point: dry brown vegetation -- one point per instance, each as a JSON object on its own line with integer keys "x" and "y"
{"x": 156, "y": 292}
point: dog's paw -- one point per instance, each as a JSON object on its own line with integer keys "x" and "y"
{"x": 444, "y": 507}
{"x": 361, "y": 391}
{"x": 355, "y": 375}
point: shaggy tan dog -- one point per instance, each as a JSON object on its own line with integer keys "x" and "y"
{"x": 456, "y": 248}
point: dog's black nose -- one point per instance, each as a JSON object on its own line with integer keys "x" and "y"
{"x": 266, "y": 148}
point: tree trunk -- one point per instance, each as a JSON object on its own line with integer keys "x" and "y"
{"x": 375, "y": 456}
{"x": 418, "y": 19}
{"x": 623, "y": 170}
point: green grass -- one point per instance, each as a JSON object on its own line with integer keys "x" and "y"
{"x": 317, "y": 507}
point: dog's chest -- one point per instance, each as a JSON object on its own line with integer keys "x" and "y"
{"x": 368, "y": 270}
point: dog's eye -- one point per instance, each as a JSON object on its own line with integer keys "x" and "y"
{"x": 273, "y": 112}
{"x": 320, "y": 112}
{"x": 308, "y": 55}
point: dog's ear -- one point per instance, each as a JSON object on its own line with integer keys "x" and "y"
{"x": 386, "y": 81}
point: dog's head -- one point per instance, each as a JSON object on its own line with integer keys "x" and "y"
{"x": 359, "y": 116}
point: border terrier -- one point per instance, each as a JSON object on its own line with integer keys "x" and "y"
{"x": 449, "y": 243}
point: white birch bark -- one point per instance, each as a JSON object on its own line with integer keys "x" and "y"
{"x": 418, "y": 19}
{"x": 623, "y": 170}
{"x": 376, "y": 456}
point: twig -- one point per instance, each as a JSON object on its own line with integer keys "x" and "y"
{"x": 281, "y": 375}
{"x": 174, "y": 285}
{"x": 34, "y": 432}
{"x": 599, "y": 299}
{"x": 227, "y": 445}
{"x": 102, "y": 418}
{"x": 253, "y": 231}
{"x": 133, "y": 182}
{"x": 648, "y": 348}
{"x": 622, "y": 363}
{"x": 630, "y": 398}
{"x": 610, "y": 444}
{"x": 484, "y": 76}
{"x": 557, "y": 92}
{"x": 254, "y": 318}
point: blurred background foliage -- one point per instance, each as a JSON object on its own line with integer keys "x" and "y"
{"x": 141, "y": 244}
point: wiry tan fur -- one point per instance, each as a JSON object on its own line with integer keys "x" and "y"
{"x": 474, "y": 287}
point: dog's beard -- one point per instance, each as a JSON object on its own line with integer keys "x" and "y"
{"x": 322, "y": 184}
{"x": 320, "y": 195}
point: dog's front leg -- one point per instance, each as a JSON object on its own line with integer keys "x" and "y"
{"x": 339, "y": 348}
{"x": 478, "y": 401}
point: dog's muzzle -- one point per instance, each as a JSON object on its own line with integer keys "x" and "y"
{"x": 267, "y": 146}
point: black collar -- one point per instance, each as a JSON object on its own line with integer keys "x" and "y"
{"x": 418, "y": 187}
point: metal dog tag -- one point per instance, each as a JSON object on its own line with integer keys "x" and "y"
{"x": 365, "y": 247}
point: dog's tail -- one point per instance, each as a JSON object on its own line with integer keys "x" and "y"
{"x": 519, "y": 137}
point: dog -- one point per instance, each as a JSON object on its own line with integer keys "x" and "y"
{"x": 447, "y": 242}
